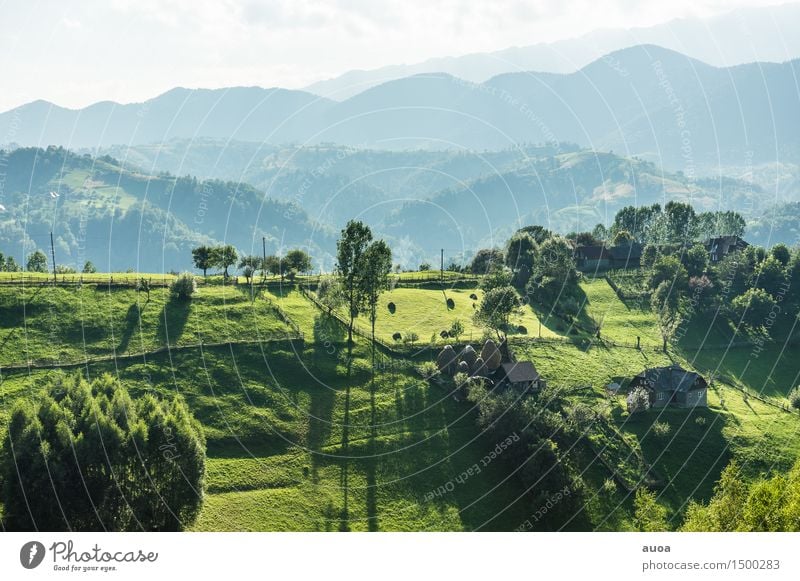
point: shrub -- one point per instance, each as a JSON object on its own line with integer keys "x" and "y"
{"x": 460, "y": 379}
{"x": 183, "y": 287}
{"x": 473, "y": 296}
{"x": 609, "y": 486}
{"x": 661, "y": 429}
{"x": 522, "y": 330}
{"x": 428, "y": 369}
{"x": 397, "y": 336}
{"x": 794, "y": 398}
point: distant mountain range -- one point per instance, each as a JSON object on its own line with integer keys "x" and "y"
{"x": 643, "y": 101}
{"x": 745, "y": 35}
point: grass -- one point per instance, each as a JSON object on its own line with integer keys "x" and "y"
{"x": 426, "y": 313}
{"x": 299, "y": 438}
{"x": 69, "y": 324}
{"x": 619, "y": 321}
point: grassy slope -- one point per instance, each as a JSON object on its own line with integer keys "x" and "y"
{"x": 425, "y": 312}
{"x": 59, "y": 324}
{"x": 280, "y": 457}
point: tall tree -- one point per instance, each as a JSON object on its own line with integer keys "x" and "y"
{"x": 376, "y": 264}
{"x": 350, "y": 247}
{"x": 272, "y": 265}
{"x": 666, "y": 303}
{"x": 496, "y": 308}
{"x": 249, "y": 265}
{"x": 203, "y": 258}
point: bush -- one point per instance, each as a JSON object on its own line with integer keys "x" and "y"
{"x": 794, "y": 398}
{"x": 428, "y": 369}
{"x": 700, "y": 421}
{"x": 397, "y": 336}
{"x": 609, "y": 486}
{"x": 661, "y": 429}
{"x": 183, "y": 287}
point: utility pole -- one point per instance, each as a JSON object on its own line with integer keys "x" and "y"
{"x": 442, "y": 265}
{"x": 53, "y": 254}
{"x": 264, "y": 258}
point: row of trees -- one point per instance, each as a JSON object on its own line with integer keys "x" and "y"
{"x": 37, "y": 262}
{"x": 748, "y": 285}
{"x": 207, "y": 257}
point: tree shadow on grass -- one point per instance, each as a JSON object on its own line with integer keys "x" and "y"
{"x": 173, "y": 320}
{"x": 133, "y": 320}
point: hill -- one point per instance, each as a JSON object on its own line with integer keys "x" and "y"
{"x": 126, "y": 219}
{"x": 641, "y": 100}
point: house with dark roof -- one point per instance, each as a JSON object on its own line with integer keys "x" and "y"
{"x": 721, "y": 246}
{"x": 673, "y": 385}
{"x": 518, "y": 375}
{"x": 625, "y": 255}
{"x": 592, "y": 257}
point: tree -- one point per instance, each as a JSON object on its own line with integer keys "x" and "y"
{"x": 771, "y": 276}
{"x": 600, "y": 233}
{"x": 680, "y": 222}
{"x": 538, "y": 233}
{"x": 666, "y": 303}
{"x": 272, "y": 265}
{"x": 781, "y": 253}
{"x": 497, "y": 276}
{"x": 648, "y": 515}
{"x": 249, "y": 265}
{"x": 622, "y": 238}
{"x": 88, "y": 457}
{"x": 485, "y": 260}
{"x": 2, "y": 262}
{"x": 456, "y": 329}
{"x": 424, "y": 267}
{"x": 649, "y": 255}
{"x": 753, "y": 307}
{"x": 203, "y": 258}
{"x": 668, "y": 269}
{"x": 695, "y": 260}
{"x": 350, "y": 247}
{"x": 37, "y": 262}
{"x": 224, "y": 257}
{"x": 183, "y": 287}
{"x": 496, "y": 308}
{"x": 553, "y": 268}
{"x": 89, "y": 268}
{"x": 375, "y": 266}
{"x": 143, "y": 286}
{"x": 11, "y": 265}
{"x": 520, "y": 250}
{"x": 298, "y": 260}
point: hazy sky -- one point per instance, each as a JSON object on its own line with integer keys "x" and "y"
{"x": 76, "y": 53}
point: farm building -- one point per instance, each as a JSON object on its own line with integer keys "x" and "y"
{"x": 721, "y": 246}
{"x": 673, "y": 385}
{"x": 625, "y": 256}
{"x": 600, "y": 257}
{"x": 519, "y": 375}
{"x": 594, "y": 257}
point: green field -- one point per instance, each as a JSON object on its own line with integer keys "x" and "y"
{"x": 426, "y": 313}
{"x": 299, "y": 437}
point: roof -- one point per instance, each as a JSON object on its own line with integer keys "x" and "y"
{"x": 594, "y": 252}
{"x": 626, "y": 251}
{"x": 672, "y": 378}
{"x": 520, "y": 371}
{"x": 724, "y": 244}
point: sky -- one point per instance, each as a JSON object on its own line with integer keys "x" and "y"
{"x": 77, "y": 53}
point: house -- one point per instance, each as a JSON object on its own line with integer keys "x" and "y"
{"x": 593, "y": 257}
{"x": 721, "y": 246}
{"x": 673, "y": 385}
{"x": 518, "y": 375}
{"x": 625, "y": 255}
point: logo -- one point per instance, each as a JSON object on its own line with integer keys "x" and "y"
{"x": 31, "y": 554}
